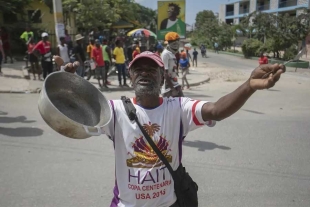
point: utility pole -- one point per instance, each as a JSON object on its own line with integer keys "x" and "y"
{"x": 58, "y": 18}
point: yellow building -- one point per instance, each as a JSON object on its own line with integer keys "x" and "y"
{"x": 39, "y": 16}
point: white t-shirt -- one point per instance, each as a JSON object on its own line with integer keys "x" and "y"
{"x": 170, "y": 64}
{"x": 171, "y": 23}
{"x": 141, "y": 178}
{"x": 63, "y": 50}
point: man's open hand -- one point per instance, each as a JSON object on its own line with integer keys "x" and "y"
{"x": 266, "y": 76}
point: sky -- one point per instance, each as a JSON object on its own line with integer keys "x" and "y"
{"x": 192, "y": 7}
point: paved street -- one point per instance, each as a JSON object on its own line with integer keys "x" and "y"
{"x": 258, "y": 157}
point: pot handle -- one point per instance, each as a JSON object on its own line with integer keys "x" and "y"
{"x": 97, "y": 133}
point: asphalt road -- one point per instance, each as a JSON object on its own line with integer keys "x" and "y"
{"x": 258, "y": 157}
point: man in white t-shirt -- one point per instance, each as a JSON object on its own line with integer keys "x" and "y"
{"x": 62, "y": 50}
{"x": 141, "y": 179}
{"x": 171, "y": 86}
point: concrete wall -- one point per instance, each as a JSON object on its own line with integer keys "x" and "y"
{"x": 302, "y": 2}
{"x": 274, "y": 4}
{"x": 236, "y": 8}
{"x": 252, "y": 5}
{"x": 222, "y": 12}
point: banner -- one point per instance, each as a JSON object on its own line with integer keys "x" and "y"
{"x": 171, "y": 18}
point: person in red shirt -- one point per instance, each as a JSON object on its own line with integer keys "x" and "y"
{"x": 135, "y": 52}
{"x": 43, "y": 48}
{"x": 6, "y": 44}
{"x": 263, "y": 59}
{"x": 97, "y": 56}
{"x": 33, "y": 59}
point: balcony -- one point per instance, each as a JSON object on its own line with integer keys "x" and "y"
{"x": 287, "y": 3}
{"x": 263, "y": 7}
{"x": 229, "y": 13}
{"x": 243, "y": 11}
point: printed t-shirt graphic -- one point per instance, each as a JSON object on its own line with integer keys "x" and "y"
{"x": 141, "y": 178}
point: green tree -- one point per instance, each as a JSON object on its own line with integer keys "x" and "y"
{"x": 14, "y": 6}
{"x": 103, "y": 13}
{"x": 207, "y": 28}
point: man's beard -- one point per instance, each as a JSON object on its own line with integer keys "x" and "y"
{"x": 149, "y": 89}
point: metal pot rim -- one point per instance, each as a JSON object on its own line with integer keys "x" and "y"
{"x": 48, "y": 99}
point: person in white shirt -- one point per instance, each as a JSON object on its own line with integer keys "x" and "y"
{"x": 141, "y": 179}
{"x": 62, "y": 50}
{"x": 171, "y": 86}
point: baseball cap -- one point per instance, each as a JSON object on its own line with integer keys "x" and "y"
{"x": 149, "y": 55}
{"x": 44, "y": 34}
{"x": 171, "y": 36}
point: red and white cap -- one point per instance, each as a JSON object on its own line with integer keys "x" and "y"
{"x": 150, "y": 55}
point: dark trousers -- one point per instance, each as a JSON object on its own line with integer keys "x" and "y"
{"x": 0, "y": 61}
{"x": 195, "y": 61}
{"x": 121, "y": 69}
{"x": 175, "y": 205}
{"x": 47, "y": 68}
{"x": 106, "y": 69}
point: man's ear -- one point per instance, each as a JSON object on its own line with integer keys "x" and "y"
{"x": 130, "y": 74}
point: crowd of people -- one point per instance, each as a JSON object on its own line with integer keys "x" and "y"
{"x": 100, "y": 54}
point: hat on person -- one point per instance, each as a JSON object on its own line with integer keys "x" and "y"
{"x": 97, "y": 41}
{"x": 150, "y": 56}
{"x": 78, "y": 37}
{"x": 171, "y": 36}
{"x": 44, "y": 34}
{"x": 159, "y": 46}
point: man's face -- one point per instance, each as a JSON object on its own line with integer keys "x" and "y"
{"x": 146, "y": 77}
{"x": 171, "y": 11}
{"x": 174, "y": 45}
{"x": 45, "y": 38}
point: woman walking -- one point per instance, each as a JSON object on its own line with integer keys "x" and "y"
{"x": 184, "y": 66}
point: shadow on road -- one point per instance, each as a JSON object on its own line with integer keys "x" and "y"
{"x": 273, "y": 90}
{"x": 3, "y": 113}
{"x": 203, "y": 146}
{"x": 14, "y": 76}
{"x": 254, "y": 112}
{"x": 21, "y": 132}
{"x": 21, "y": 119}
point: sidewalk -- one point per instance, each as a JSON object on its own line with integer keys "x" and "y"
{"x": 13, "y": 80}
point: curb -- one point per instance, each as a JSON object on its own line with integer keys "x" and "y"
{"x": 102, "y": 90}
{"x": 200, "y": 83}
{"x": 131, "y": 89}
{"x": 16, "y": 92}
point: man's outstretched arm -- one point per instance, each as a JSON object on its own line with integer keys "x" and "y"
{"x": 263, "y": 77}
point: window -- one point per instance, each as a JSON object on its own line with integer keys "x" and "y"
{"x": 34, "y": 16}
{"x": 9, "y": 18}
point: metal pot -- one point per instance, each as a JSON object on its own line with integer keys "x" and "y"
{"x": 72, "y": 106}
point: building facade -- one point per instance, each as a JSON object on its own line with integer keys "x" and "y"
{"x": 235, "y": 10}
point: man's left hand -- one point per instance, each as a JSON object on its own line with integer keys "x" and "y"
{"x": 266, "y": 76}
